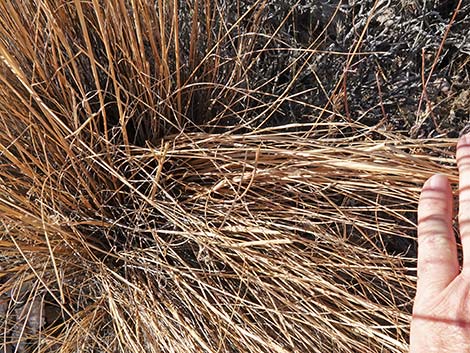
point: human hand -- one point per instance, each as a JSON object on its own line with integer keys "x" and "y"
{"x": 441, "y": 311}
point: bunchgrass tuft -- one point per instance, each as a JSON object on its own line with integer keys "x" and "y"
{"x": 165, "y": 186}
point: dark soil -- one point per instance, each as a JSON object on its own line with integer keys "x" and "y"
{"x": 410, "y": 72}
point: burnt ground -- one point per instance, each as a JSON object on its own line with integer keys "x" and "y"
{"x": 410, "y": 72}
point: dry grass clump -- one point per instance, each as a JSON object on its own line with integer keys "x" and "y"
{"x": 153, "y": 198}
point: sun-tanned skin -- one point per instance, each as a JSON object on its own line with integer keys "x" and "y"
{"x": 441, "y": 312}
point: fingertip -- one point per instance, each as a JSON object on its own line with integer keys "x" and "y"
{"x": 436, "y": 199}
{"x": 436, "y": 188}
{"x": 438, "y": 181}
{"x": 464, "y": 140}
{"x": 463, "y": 148}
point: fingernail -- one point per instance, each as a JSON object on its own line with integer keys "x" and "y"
{"x": 438, "y": 181}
